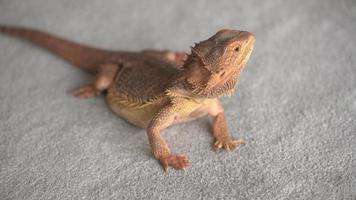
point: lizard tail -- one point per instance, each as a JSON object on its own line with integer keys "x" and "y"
{"x": 85, "y": 57}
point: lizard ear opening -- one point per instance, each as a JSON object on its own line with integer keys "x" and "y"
{"x": 197, "y": 75}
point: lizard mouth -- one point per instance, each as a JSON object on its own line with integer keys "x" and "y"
{"x": 246, "y": 54}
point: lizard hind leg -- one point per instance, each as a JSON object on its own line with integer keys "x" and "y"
{"x": 103, "y": 79}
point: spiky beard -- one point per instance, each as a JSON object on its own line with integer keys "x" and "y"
{"x": 226, "y": 89}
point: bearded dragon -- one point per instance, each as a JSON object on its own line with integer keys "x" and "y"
{"x": 155, "y": 89}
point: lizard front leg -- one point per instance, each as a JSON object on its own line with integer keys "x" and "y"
{"x": 163, "y": 119}
{"x": 105, "y": 76}
{"x": 222, "y": 135}
{"x": 171, "y": 56}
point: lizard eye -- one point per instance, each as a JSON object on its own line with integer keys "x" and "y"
{"x": 237, "y": 49}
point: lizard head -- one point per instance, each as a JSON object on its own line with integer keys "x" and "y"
{"x": 214, "y": 65}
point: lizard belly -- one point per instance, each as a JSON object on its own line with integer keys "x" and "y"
{"x": 138, "y": 115}
{"x": 192, "y": 110}
{"x": 141, "y": 115}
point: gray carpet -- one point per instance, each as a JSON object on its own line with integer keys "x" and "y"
{"x": 295, "y": 104}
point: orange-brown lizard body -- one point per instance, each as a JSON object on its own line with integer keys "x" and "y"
{"x": 156, "y": 89}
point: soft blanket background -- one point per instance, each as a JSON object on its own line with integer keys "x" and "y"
{"x": 295, "y": 104}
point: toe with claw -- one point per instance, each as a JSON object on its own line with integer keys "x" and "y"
{"x": 179, "y": 162}
{"x": 85, "y": 92}
{"x": 228, "y": 143}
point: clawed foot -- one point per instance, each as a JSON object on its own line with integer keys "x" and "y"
{"x": 85, "y": 92}
{"x": 176, "y": 161}
{"x": 228, "y": 143}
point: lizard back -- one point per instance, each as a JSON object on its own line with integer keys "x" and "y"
{"x": 142, "y": 83}
{"x": 139, "y": 90}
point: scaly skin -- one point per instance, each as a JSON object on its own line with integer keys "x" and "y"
{"x": 155, "y": 89}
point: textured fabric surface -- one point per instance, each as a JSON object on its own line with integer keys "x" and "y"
{"x": 295, "y": 104}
